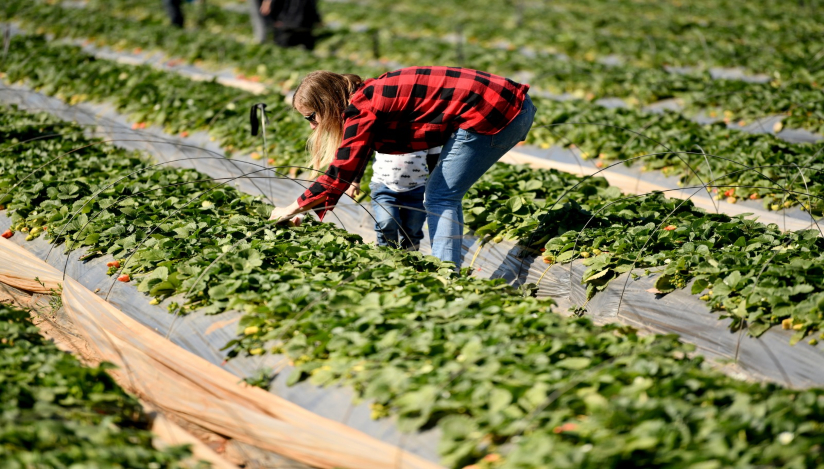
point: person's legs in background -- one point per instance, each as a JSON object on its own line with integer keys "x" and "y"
{"x": 261, "y": 25}
{"x": 174, "y": 12}
{"x": 464, "y": 159}
{"x": 293, "y": 38}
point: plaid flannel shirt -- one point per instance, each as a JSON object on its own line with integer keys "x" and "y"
{"x": 412, "y": 109}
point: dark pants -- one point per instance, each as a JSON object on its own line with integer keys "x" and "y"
{"x": 294, "y": 38}
{"x": 174, "y": 12}
{"x": 398, "y": 214}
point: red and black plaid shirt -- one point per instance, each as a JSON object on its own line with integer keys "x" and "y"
{"x": 411, "y": 109}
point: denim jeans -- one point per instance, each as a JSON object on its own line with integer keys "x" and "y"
{"x": 398, "y": 215}
{"x": 465, "y": 157}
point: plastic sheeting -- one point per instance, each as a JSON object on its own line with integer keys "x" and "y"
{"x": 186, "y": 385}
{"x": 769, "y": 357}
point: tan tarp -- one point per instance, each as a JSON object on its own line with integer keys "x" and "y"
{"x": 180, "y": 382}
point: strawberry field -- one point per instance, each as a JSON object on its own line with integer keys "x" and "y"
{"x": 544, "y": 350}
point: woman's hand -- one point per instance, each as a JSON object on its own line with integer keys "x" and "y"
{"x": 286, "y": 214}
{"x": 265, "y": 7}
{"x": 354, "y": 190}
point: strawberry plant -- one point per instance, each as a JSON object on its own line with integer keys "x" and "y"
{"x": 160, "y": 98}
{"x": 758, "y": 36}
{"x": 65, "y": 71}
{"x": 58, "y": 413}
{"x": 742, "y": 162}
{"x": 507, "y": 381}
{"x": 795, "y": 96}
{"x": 754, "y": 273}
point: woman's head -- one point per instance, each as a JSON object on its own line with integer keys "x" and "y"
{"x": 326, "y": 95}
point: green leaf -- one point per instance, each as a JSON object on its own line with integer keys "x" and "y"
{"x": 699, "y": 286}
{"x": 664, "y": 284}
{"x": 499, "y": 399}
{"x": 574, "y": 363}
{"x": 565, "y": 256}
{"x": 597, "y": 275}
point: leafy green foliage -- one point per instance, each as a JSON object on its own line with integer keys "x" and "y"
{"x": 739, "y": 165}
{"x": 758, "y": 36}
{"x": 754, "y": 273}
{"x": 153, "y": 97}
{"x": 500, "y": 375}
{"x": 58, "y": 413}
{"x": 224, "y": 36}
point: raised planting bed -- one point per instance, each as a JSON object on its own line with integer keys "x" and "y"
{"x": 505, "y": 381}
{"x": 60, "y": 413}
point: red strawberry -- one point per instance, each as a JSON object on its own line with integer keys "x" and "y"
{"x": 670, "y": 227}
{"x": 124, "y": 278}
{"x": 115, "y": 264}
{"x": 8, "y": 234}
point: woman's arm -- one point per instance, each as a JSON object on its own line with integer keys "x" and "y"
{"x": 349, "y": 163}
{"x": 291, "y": 212}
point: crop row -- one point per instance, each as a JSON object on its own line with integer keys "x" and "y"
{"x": 58, "y": 413}
{"x": 778, "y": 173}
{"x": 125, "y": 25}
{"x": 509, "y": 383}
{"x": 798, "y": 99}
{"x": 734, "y": 34}
{"x": 139, "y": 26}
{"x": 152, "y": 97}
{"x": 157, "y": 97}
{"x": 747, "y": 166}
{"x": 753, "y": 273}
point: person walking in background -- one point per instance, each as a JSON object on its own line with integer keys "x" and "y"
{"x": 397, "y": 189}
{"x": 261, "y": 24}
{"x": 293, "y": 21}
{"x": 475, "y": 115}
{"x": 174, "y": 12}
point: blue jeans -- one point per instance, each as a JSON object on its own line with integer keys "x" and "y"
{"x": 465, "y": 157}
{"x": 398, "y": 214}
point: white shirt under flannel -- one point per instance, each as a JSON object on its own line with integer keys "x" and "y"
{"x": 402, "y": 173}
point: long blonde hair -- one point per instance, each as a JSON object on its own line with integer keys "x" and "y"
{"x": 326, "y": 94}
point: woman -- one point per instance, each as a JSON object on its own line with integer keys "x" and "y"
{"x": 476, "y": 116}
